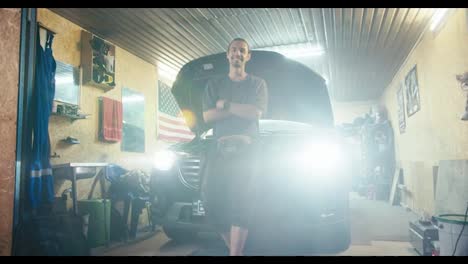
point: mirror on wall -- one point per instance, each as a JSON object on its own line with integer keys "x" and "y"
{"x": 67, "y": 84}
{"x": 133, "y": 134}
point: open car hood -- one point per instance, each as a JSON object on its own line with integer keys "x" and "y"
{"x": 295, "y": 92}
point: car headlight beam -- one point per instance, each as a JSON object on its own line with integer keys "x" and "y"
{"x": 164, "y": 160}
{"x": 321, "y": 156}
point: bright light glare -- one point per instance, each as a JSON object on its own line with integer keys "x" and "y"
{"x": 297, "y": 50}
{"x": 439, "y": 14}
{"x": 319, "y": 156}
{"x": 304, "y": 52}
{"x": 63, "y": 80}
{"x": 164, "y": 159}
{"x": 167, "y": 73}
{"x": 133, "y": 99}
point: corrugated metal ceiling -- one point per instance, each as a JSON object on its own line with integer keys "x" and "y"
{"x": 364, "y": 47}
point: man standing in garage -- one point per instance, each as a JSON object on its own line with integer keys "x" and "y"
{"x": 233, "y": 105}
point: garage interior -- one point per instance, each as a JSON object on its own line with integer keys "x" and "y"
{"x": 397, "y": 79}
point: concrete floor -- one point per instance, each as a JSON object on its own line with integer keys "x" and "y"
{"x": 377, "y": 229}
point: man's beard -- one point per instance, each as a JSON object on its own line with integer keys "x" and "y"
{"x": 236, "y": 62}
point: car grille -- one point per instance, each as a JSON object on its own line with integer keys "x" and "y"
{"x": 190, "y": 168}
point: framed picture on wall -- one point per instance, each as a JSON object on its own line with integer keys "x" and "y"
{"x": 412, "y": 92}
{"x": 67, "y": 83}
{"x": 401, "y": 108}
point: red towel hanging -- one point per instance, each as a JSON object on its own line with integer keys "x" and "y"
{"x": 112, "y": 120}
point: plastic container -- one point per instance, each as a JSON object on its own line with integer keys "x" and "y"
{"x": 450, "y": 226}
{"x": 98, "y": 230}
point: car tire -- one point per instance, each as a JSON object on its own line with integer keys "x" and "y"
{"x": 179, "y": 235}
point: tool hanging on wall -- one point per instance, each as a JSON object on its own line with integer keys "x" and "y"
{"x": 463, "y": 79}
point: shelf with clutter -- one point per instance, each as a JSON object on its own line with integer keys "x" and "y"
{"x": 67, "y": 110}
{"x": 97, "y": 62}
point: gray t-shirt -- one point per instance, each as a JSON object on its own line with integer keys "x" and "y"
{"x": 253, "y": 90}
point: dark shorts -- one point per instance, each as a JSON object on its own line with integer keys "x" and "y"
{"x": 228, "y": 189}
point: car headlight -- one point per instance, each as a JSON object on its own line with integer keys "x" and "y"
{"x": 322, "y": 156}
{"x": 164, "y": 160}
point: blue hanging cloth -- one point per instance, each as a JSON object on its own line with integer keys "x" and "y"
{"x": 43, "y": 96}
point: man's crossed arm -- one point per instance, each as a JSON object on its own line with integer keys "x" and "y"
{"x": 224, "y": 109}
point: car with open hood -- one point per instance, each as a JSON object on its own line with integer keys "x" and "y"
{"x": 302, "y": 205}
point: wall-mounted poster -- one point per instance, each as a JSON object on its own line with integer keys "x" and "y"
{"x": 401, "y": 108}
{"x": 98, "y": 61}
{"x": 412, "y": 92}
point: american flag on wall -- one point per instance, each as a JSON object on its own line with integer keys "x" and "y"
{"x": 171, "y": 123}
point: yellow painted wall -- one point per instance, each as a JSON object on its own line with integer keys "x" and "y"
{"x": 436, "y": 131}
{"x": 131, "y": 72}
